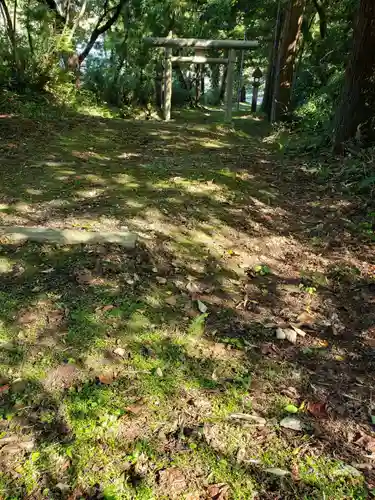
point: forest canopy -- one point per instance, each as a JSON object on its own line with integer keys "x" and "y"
{"x": 76, "y": 46}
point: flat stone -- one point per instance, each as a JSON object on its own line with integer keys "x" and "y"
{"x": 68, "y": 236}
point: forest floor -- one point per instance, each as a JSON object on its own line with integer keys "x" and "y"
{"x": 156, "y": 373}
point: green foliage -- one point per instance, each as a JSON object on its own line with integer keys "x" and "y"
{"x": 262, "y": 270}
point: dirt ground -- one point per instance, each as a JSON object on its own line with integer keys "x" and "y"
{"x": 230, "y": 355}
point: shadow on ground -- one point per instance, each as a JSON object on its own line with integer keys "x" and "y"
{"x": 111, "y": 373}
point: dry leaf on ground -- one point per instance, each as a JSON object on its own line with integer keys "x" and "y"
{"x": 106, "y": 378}
{"x": 172, "y": 481}
{"x": 84, "y": 276}
{"x": 366, "y": 441}
{"x": 318, "y": 410}
{"x": 218, "y": 492}
{"x": 171, "y": 301}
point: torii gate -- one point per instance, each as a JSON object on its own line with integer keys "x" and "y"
{"x": 200, "y": 47}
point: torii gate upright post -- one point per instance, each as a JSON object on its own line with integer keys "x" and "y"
{"x": 194, "y": 43}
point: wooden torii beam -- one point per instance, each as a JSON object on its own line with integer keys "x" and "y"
{"x": 196, "y": 43}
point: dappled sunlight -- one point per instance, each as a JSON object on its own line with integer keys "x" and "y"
{"x": 119, "y": 345}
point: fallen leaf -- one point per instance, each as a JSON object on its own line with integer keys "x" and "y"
{"x": 27, "y": 317}
{"x": 4, "y": 388}
{"x": 193, "y": 288}
{"x": 84, "y": 276}
{"x": 290, "y": 335}
{"x": 48, "y": 270}
{"x": 323, "y": 343}
{"x": 106, "y": 378}
{"x": 291, "y": 409}
{"x": 293, "y": 423}
{"x": 318, "y": 410}
{"x": 291, "y": 392}
{"x": 269, "y": 349}
{"x": 171, "y": 301}
{"x": 286, "y": 333}
{"x": 202, "y": 307}
{"x": 159, "y": 372}
{"x": 338, "y": 357}
{"x": 305, "y": 319}
{"x": 161, "y": 280}
{"x": 172, "y": 481}
{"x": 218, "y": 491}
{"x": 108, "y": 307}
{"x": 295, "y": 472}
{"x": 120, "y": 351}
{"x": 277, "y": 472}
{"x": 298, "y": 330}
{"x": 366, "y": 441}
{"x": 136, "y": 408}
{"x": 251, "y": 418}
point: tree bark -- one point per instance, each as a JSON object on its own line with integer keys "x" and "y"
{"x": 223, "y": 84}
{"x": 197, "y": 84}
{"x": 271, "y": 74}
{"x": 321, "y": 10}
{"x": 287, "y": 57}
{"x": 357, "y": 106}
{"x": 8, "y": 22}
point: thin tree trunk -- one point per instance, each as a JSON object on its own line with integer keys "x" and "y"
{"x": 357, "y": 106}
{"x": 288, "y": 50}
{"x": 197, "y": 84}
{"x": 8, "y": 23}
{"x": 29, "y": 29}
{"x": 223, "y": 84}
{"x": 271, "y": 74}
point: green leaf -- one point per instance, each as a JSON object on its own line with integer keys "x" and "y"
{"x": 291, "y": 409}
{"x": 373, "y": 419}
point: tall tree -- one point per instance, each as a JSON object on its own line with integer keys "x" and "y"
{"x": 291, "y": 31}
{"x": 357, "y": 106}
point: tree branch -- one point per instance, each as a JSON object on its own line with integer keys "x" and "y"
{"x": 8, "y": 21}
{"x": 322, "y": 17}
{"x": 99, "y": 30}
{"x": 52, "y": 5}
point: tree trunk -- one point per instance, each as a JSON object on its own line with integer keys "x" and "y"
{"x": 223, "y": 84}
{"x": 287, "y": 55}
{"x": 9, "y": 26}
{"x": 271, "y": 74}
{"x": 197, "y": 84}
{"x": 357, "y": 106}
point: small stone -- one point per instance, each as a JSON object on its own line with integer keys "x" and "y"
{"x": 291, "y": 423}
{"x": 161, "y": 280}
{"x": 159, "y": 372}
{"x": 120, "y": 351}
{"x": 280, "y": 334}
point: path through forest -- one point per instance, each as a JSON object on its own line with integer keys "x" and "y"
{"x": 156, "y": 373}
